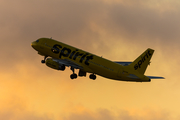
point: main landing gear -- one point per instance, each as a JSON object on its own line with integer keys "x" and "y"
{"x": 74, "y": 75}
{"x": 43, "y": 61}
{"x": 92, "y": 76}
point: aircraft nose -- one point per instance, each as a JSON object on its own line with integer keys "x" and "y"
{"x": 33, "y": 44}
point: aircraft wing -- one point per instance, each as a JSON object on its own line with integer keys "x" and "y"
{"x": 124, "y": 63}
{"x": 154, "y": 77}
{"x": 68, "y": 63}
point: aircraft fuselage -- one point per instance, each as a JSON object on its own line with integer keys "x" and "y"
{"x": 89, "y": 62}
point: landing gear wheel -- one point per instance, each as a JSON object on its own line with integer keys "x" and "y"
{"x": 43, "y": 61}
{"x": 92, "y": 76}
{"x": 73, "y": 76}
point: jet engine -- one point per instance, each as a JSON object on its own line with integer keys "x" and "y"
{"x": 50, "y": 62}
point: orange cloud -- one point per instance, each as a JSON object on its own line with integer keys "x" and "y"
{"x": 104, "y": 114}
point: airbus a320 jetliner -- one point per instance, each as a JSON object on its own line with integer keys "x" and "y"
{"x": 58, "y": 56}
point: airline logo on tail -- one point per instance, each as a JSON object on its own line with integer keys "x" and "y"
{"x": 143, "y": 59}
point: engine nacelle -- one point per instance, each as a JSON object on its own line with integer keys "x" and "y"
{"x": 50, "y": 62}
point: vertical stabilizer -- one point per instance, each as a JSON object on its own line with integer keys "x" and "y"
{"x": 141, "y": 63}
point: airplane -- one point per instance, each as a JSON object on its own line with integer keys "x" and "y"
{"x": 58, "y": 56}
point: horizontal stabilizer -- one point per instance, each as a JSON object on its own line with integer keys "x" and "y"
{"x": 154, "y": 77}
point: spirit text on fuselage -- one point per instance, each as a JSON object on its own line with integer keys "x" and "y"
{"x": 72, "y": 54}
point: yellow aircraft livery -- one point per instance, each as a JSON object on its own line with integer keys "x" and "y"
{"x": 58, "y": 56}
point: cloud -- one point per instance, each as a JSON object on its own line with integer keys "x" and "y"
{"x": 117, "y": 29}
{"x": 100, "y": 115}
{"x": 25, "y": 116}
{"x": 16, "y": 109}
{"x": 92, "y": 23}
{"x": 104, "y": 114}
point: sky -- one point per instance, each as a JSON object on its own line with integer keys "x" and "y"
{"x": 118, "y": 30}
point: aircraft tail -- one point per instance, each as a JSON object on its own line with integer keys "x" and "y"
{"x": 141, "y": 63}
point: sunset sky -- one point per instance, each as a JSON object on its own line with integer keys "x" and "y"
{"x": 118, "y": 30}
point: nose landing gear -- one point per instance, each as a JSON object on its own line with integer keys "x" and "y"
{"x": 43, "y": 61}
